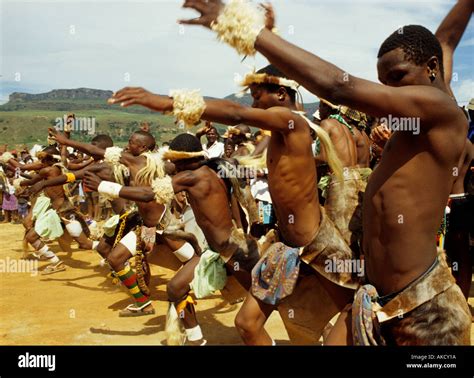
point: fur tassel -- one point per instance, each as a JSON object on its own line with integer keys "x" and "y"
{"x": 112, "y": 156}
{"x": 175, "y": 333}
{"x": 155, "y": 168}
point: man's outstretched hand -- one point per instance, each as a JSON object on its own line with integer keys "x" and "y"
{"x": 138, "y": 96}
{"x": 57, "y": 136}
{"x": 209, "y": 11}
{"x": 92, "y": 181}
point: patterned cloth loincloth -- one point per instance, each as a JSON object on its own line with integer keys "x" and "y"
{"x": 275, "y": 275}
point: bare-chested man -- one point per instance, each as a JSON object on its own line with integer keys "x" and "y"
{"x": 292, "y": 184}
{"x": 106, "y": 173}
{"x": 143, "y": 167}
{"x": 406, "y": 195}
{"x": 51, "y": 211}
{"x": 209, "y": 197}
{"x": 343, "y": 197}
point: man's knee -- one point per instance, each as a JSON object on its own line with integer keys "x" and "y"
{"x": 118, "y": 257}
{"x": 246, "y": 324}
{"x": 31, "y": 236}
{"x": 176, "y": 290}
{"x": 103, "y": 249}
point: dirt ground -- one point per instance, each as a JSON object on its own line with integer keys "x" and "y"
{"x": 80, "y": 305}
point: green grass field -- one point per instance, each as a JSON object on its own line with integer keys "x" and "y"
{"x": 30, "y": 126}
{"x": 25, "y": 122}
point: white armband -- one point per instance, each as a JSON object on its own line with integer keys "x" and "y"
{"x": 239, "y": 25}
{"x": 110, "y": 189}
{"x": 188, "y": 106}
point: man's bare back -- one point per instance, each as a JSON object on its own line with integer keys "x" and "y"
{"x": 363, "y": 149}
{"x": 55, "y": 193}
{"x": 207, "y": 195}
{"x": 343, "y": 141}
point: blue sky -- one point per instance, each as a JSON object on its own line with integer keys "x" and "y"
{"x": 111, "y": 44}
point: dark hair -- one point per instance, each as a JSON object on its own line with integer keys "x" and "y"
{"x": 418, "y": 44}
{"x": 271, "y": 70}
{"x": 51, "y": 150}
{"x": 148, "y": 138}
{"x": 104, "y": 140}
{"x": 186, "y": 143}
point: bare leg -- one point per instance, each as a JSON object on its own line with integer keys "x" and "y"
{"x": 103, "y": 248}
{"x": 42, "y": 250}
{"x": 461, "y": 260}
{"x": 250, "y": 321}
{"x": 341, "y": 333}
{"x": 179, "y": 287}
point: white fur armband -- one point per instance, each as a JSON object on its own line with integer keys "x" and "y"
{"x": 109, "y": 189}
{"x": 112, "y": 155}
{"x": 163, "y": 189}
{"x": 6, "y": 156}
{"x": 188, "y": 106}
{"x": 239, "y": 25}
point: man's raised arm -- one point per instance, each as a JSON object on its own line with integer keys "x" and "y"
{"x": 318, "y": 76}
{"x": 450, "y": 33}
{"x": 87, "y": 148}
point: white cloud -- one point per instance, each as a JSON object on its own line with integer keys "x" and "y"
{"x": 464, "y": 91}
{"x": 142, "y": 38}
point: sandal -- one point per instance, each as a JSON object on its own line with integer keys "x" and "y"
{"x": 132, "y": 310}
{"x": 54, "y": 268}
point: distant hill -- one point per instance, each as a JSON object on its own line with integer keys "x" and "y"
{"x": 25, "y": 118}
{"x": 63, "y": 94}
